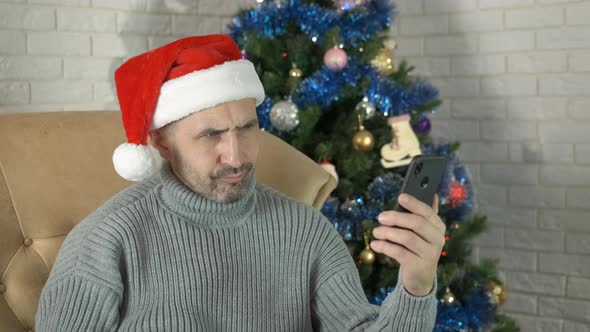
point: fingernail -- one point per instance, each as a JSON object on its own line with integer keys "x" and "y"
{"x": 380, "y": 217}
{"x": 404, "y": 198}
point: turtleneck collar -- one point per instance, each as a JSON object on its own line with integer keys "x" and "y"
{"x": 199, "y": 210}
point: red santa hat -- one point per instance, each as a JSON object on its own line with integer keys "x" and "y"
{"x": 172, "y": 82}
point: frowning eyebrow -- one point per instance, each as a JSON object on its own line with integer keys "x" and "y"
{"x": 214, "y": 131}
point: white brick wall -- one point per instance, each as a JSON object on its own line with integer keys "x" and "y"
{"x": 61, "y": 54}
{"x": 514, "y": 74}
{"x": 519, "y": 90}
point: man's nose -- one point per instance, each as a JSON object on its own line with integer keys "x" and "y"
{"x": 230, "y": 151}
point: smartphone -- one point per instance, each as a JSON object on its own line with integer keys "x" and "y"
{"x": 423, "y": 178}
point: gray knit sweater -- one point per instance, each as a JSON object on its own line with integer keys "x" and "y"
{"x": 158, "y": 257}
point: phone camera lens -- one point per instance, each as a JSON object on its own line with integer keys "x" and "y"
{"x": 418, "y": 169}
{"x": 424, "y": 182}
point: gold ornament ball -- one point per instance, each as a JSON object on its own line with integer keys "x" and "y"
{"x": 384, "y": 61}
{"x": 367, "y": 256}
{"x": 498, "y": 291}
{"x": 448, "y": 297}
{"x": 363, "y": 140}
{"x": 295, "y": 72}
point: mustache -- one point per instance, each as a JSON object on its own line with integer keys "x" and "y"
{"x": 229, "y": 171}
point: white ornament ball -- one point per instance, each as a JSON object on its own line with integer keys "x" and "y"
{"x": 284, "y": 115}
{"x": 335, "y": 59}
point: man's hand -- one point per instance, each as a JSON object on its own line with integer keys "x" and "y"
{"x": 415, "y": 241}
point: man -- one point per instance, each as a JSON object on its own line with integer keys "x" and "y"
{"x": 199, "y": 245}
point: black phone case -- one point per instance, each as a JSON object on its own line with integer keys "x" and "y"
{"x": 423, "y": 178}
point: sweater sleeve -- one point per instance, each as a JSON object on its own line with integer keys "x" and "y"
{"x": 340, "y": 304}
{"x": 84, "y": 290}
{"x": 77, "y": 304}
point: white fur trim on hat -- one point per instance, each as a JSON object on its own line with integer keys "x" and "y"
{"x": 202, "y": 89}
{"x": 136, "y": 162}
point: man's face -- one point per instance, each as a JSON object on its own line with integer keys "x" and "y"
{"x": 213, "y": 151}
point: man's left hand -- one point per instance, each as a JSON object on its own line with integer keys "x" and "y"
{"x": 414, "y": 239}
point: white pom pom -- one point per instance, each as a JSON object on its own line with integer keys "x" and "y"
{"x": 136, "y": 162}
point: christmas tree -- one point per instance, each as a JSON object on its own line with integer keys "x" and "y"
{"x": 335, "y": 93}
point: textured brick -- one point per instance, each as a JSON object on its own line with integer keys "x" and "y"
{"x": 509, "y": 86}
{"x": 58, "y": 43}
{"x": 77, "y": 3}
{"x": 410, "y": 7}
{"x": 449, "y": 6}
{"x": 59, "y": 92}
{"x": 432, "y": 67}
{"x": 538, "y": 283}
{"x": 12, "y": 93}
{"x": 565, "y": 175}
{"x": 579, "y": 61}
{"x": 479, "y": 108}
{"x": 578, "y": 13}
{"x": 482, "y": 151}
{"x": 175, "y": 7}
{"x": 537, "y": 108}
{"x": 90, "y": 68}
{"x": 506, "y": 41}
{"x": 138, "y": 5}
{"x": 534, "y": 18}
{"x": 546, "y": 153}
{"x": 104, "y": 92}
{"x": 118, "y": 46}
{"x": 476, "y": 21}
{"x": 537, "y": 324}
{"x": 573, "y": 265}
{"x": 157, "y": 41}
{"x": 545, "y": 62}
{"x": 450, "y": 45}
{"x": 144, "y": 23}
{"x": 522, "y": 303}
{"x": 491, "y": 195}
{"x": 12, "y": 42}
{"x": 457, "y": 87}
{"x": 26, "y": 17}
{"x": 564, "y": 38}
{"x": 197, "y": 25}
{"x": 509, "y": 174}
{"x": 578, "y": 287}
{"x": 537, "y": 196}
{"x": 565, "y": 85}
{"x": 577, "y": 243}
{"x": 478, "y": 65}
{"x": 456, "y": 129}
{"x": 564, "y": 132}
{"x": 409, "y": 46}
{"x": 582, "y": 153}
{"x": 504, "y": 3}
{"x": 86, "y": 20}
{"x": 577, "y": 197}
{"x": 513, "y": 218}
{"x": 423, "y": 25}
{"x": 569, "y": 326}
{"x": 493, "y": 237}
{"x": 558, "y": 307}
{"x": 579, "y": 108}
{"x": 508, "y": 131}
{"x": 218, "y": 7}
{"x": 25, "y": 67}
{"x": 535, "y": 240}
{"x": 515, "y": 260}
{"x": 566, "y": 220}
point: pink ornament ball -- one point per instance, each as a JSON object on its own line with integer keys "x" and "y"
{"x": 335, "y": 59}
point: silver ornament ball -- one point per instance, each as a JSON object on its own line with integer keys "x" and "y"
{"x": 366, "y": 107}
{"x": 284, "y": 115}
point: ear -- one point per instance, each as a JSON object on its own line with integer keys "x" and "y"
{"x": 160, "y": 141}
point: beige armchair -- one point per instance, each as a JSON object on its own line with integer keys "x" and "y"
{"x": 56, "y": 168}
